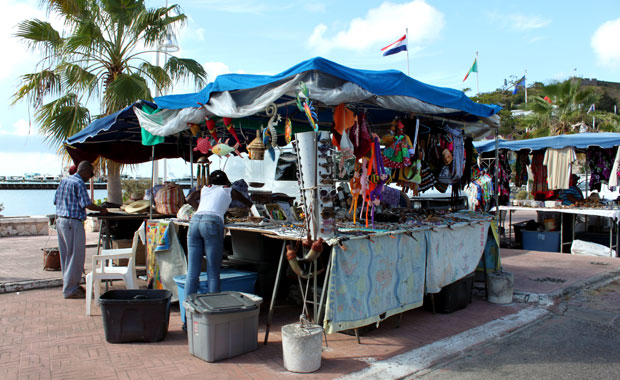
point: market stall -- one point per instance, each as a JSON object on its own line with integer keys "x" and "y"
{"x": 347, "y": 178}
{"x": 552, "y": 160}
{"x": 361, "y": 138}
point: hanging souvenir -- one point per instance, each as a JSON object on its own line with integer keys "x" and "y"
{"x": 307, "y": 107}
{"x": 230, "y": 128}
{"x": 211, "y": 128}
{"x": 203, "y": 145}
{"x": 396, "y": 155}
{"x": 223, "y": 149}
{"x": 194, "y": 128}
{"x": 288, "y": 131}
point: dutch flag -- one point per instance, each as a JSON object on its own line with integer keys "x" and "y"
{"x": 395, "y": 47}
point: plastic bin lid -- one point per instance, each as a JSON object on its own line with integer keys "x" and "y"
{"x": 224, "y": 302}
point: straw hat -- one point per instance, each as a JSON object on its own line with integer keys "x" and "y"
{"x": 137, "y": 206}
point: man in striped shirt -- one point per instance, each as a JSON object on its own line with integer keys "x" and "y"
{"x": 71, "y": 200}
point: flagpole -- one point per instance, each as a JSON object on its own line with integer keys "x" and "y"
{"x": 477, "y": 75}
{"x": 525, "y": 85}
{"x": 407, "y": 39}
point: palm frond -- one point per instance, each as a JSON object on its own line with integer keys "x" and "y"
{"x": 35, "y": 86}
{"x": 181, "y": 69}
{"x": 62, "y": 117}
{"x": 87, "y": 36}
{"x": 39, "y": 35}
{"x": 124, "y": 90}
{"x": 78, "y": 78}
{"x": 154, "y": 23}
{"x": 157, "y": 75}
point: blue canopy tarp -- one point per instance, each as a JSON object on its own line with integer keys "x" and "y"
{"x": 118, "y": 137}
{"x": 242, "y": 95}
{"x": 580, "y": 141}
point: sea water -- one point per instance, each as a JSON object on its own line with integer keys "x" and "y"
{"x": 34, "y": 202}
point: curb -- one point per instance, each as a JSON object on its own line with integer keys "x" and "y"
{"x": 19, "y": 286}
{"x": 419, "y": 359}
{"x": 549, "y": 299}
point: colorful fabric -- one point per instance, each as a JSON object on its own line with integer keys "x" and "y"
{"x": 165, "y": 257}
{"x": 372, "y": 280}
{"x": 71, "y": 198}
{"x": 601, "y": 163}
{"x": 453, "y": 253}
{"x": 523, "y": 161}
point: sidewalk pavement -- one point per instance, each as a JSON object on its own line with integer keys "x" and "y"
{"x": 45, "y": 336}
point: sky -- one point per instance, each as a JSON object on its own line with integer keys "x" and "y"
{"x": 548, "y": 40}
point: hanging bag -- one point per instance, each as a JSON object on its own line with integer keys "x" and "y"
{"x": 169, "y": 199}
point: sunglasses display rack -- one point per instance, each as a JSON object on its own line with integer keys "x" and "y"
{"x": 326, "y": 188}
{"x": 315, "y": 175}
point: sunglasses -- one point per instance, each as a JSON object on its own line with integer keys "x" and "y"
{"x": 327, "y": 165}
{"x": 330, "y": 193}
{"x": 327, "y": 181}
{"x": 325, "y": 141}
{"x": 324, "y": 148}
{"x": 327, "y": 213}
{"x": 325, "y": 175}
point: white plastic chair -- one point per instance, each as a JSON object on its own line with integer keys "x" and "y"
{"x": 103, "y": 269}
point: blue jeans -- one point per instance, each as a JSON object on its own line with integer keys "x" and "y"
{"x": 205, "y": 238}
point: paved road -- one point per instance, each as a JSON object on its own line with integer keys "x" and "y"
{"x": 581, "y": 340}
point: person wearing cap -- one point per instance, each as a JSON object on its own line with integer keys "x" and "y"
{"x": 72, "y": 200}
{"x": 206, "y": 232}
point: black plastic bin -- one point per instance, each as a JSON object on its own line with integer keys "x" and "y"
{"x": 452, "y": 297}
{"x": 135, "y": 315}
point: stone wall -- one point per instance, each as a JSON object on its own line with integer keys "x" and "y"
{"x": 23, "y": 226}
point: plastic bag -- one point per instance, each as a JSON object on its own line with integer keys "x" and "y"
{"x": 580, "y": 247}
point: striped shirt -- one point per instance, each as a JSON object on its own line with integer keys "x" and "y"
{"x": 71, "y": 198}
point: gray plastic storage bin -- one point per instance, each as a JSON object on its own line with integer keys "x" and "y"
{"x": 221, "y": 325}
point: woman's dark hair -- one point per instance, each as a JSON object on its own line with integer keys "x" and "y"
{"x": 218, "y": 177}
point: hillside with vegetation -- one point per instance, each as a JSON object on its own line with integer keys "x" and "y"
{"x": 556, "y": 108}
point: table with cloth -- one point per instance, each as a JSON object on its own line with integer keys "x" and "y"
{"x": 612, "y": 214}
{"x": 375, "y": 277}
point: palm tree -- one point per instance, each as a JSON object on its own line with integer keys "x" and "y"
{"x": 565, "y": 107}
{"x": 100, "y": 55}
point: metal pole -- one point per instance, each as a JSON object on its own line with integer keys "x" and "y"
{"x": 407, "y": 38}
{"x": 152, "y": 181}
{"x": 191, "y": 161}
{"x": 496, "y": 176}
{"x": 477, "y": 76}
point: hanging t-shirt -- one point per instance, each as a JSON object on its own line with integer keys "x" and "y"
{"x": 559, "y": 164}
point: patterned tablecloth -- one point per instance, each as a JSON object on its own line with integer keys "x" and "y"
{"x": 453, "y": 253}
{"x": 374, "y": 279}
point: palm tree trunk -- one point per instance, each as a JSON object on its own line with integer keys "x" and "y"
{"x": 115, "y": 191}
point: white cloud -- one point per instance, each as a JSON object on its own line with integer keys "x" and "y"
{"x": 20, "y": 128}
{"x": 382, "y": 26}
{"x": 215, "y": 69}
{"x": 527, "y": 22}
{"x": 605, "y": 44}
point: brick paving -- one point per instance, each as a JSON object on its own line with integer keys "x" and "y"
{"x": 43, "y": 336}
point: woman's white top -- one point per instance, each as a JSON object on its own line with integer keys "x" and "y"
{"x": 214, "y": 200}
